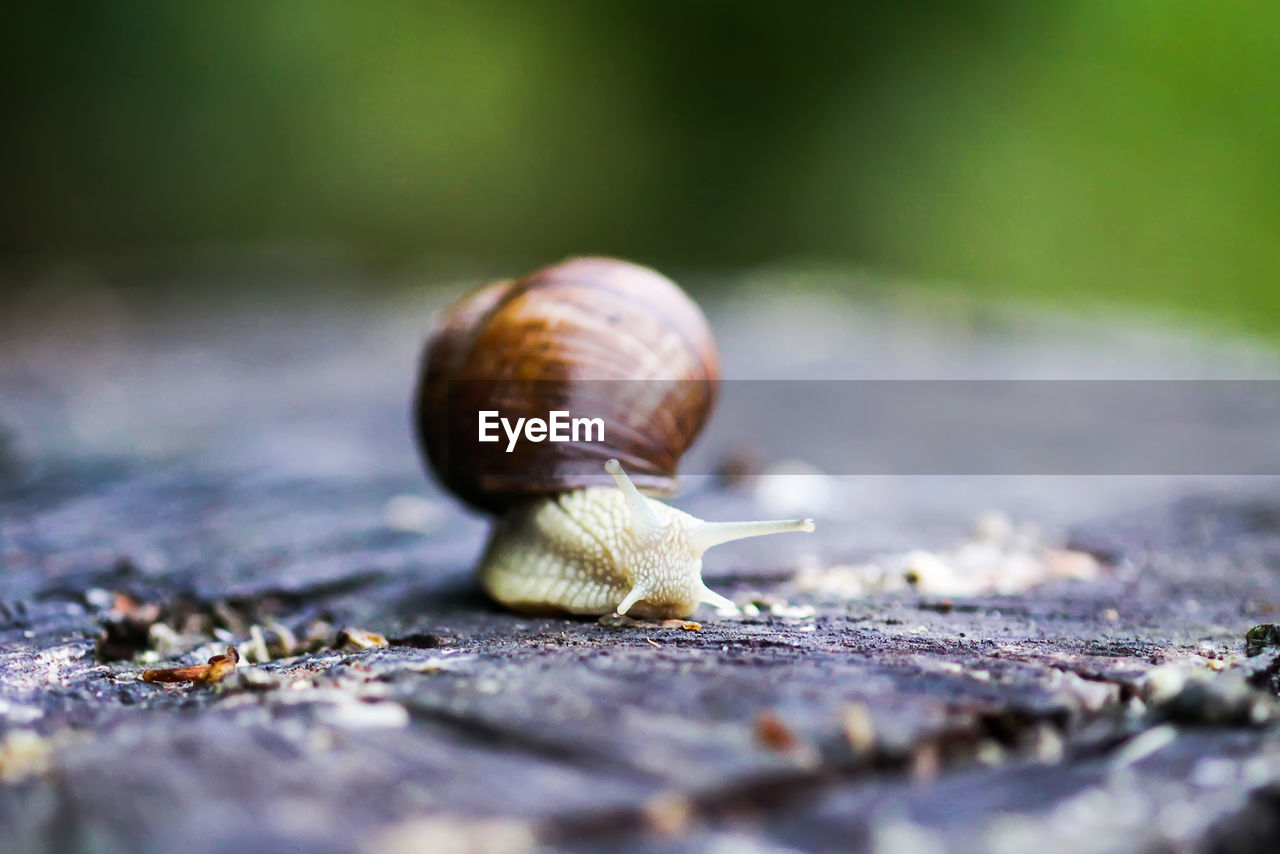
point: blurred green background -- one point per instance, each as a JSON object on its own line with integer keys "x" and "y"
{"x": 1121, "y": 150}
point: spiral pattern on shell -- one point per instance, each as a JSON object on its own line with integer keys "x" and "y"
{"x": 591, "y": 336}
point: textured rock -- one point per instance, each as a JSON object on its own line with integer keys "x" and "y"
{"x": 268, "y": 506}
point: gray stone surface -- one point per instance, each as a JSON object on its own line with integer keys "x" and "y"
{"x": 191, "y": 478}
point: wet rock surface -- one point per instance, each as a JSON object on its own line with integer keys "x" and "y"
{"x": 856, "y": 702}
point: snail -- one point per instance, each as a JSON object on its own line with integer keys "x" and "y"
{"x": 593, "y": 337}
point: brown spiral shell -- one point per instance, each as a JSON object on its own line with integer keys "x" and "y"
{"x": 598, "y": 337}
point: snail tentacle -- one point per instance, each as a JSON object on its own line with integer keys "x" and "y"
{"x": 644, "y": 522}
{"x": 715, "y": 600}
{"x": 637, "y": 593}
{"x": 705, "y": 535}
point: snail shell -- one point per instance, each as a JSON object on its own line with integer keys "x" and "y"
{"x": 593, "y": 336}
{"x": 599, "y": 338}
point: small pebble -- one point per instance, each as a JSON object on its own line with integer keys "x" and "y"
{"x": 1260, "y": 638}
{"x": 859, "y": 728}
{"x": 668, "y": 814}
{"x": 354, "y": 640}
{"x": 686, "y": 625}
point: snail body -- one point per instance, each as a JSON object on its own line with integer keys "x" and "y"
{"x": 590, "y": 335}
{"x": 600, "y": 550}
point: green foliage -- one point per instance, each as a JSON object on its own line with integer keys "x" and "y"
{"x": 1069, "y": 150}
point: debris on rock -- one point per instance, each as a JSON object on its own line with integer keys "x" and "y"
{"x": 859, "y": 729}
{"x": 668, "y": 814}
{"x": 218, "y": 668}
{"x": 455, "y": 835}
{"x": 623, "y": 621}
{"x": 1260, "y": 638}
{"x": 23, "y": 754}
{"x": 354, "y": 640}
{"x": 775, "y": 606}
{"x": 999, "y": 557}
{"x": 126, "y": 624}
{"x": 1188, "y": 695}
{"x": 774, "y": 734}
{"x": 686, "y": 625}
